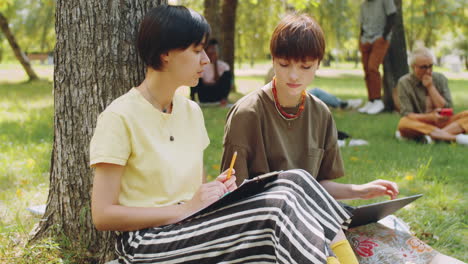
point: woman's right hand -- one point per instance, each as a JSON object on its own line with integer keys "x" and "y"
{"x": 207, "y": 194}
{"x": 231, "y": 183}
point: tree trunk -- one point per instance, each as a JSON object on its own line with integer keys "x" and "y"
{"x": 95, "y": 62}
{"x": 228, "y": 26}
{"x": 396, "y": 61}
{"x": 212, "y": 11}
{"x": 16, "y": 48}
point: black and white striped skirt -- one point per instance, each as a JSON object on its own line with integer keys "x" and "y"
{"x": 292, "y": 221}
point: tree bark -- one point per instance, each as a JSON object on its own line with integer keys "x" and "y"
{"x": 212, "y": 11}
{"x": 16, "y": 48}
{"x": 95, "y": 62}
{"x": 396, "y": 61}
{"x": 228, "y": 26}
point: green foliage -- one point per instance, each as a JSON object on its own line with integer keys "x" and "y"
{"x": 196, "y": 5}
{"x": 5, "y": 4}
{"x": 427, "y": 21}
{"x": 32, "y": 24}
{"x": 255, "y": 22}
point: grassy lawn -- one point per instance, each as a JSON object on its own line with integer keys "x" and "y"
{"x": 438, "y": 170}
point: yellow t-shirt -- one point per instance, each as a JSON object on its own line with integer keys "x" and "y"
{"x": 158, "y": 171}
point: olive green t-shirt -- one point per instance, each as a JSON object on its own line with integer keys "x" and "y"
{"x": 266, "y": 142}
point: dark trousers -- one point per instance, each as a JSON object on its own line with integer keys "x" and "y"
{"x": 209, "y": 93}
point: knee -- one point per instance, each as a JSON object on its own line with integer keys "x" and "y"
{"x": 464, "y": 114}
{"x": 298, "y": 176}
{"x": 290, "y": 182}
{"x": 298, "y": 181}
{"x": 373, "y": 69}
{"x": 403, "y": 123}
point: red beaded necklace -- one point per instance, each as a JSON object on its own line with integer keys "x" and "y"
{"x": 280, "y": 109}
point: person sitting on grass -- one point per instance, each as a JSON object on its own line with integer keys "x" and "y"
{"x": 216, "y": 81}
{"x": 335, "y": 102}
{"x": 147, "y": 152}
{"x": 281, "y": 127}
{"x": 422, "y": 95}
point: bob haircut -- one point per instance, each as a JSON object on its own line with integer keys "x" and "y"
{"x": 298, "y": 37}
{"x": 166, "y": 28}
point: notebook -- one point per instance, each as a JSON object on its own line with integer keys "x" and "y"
{"x": 248, "y": 188}
{"x": 370, "y": 213}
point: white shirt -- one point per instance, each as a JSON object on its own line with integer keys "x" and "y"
{"x": 208, "y": 74}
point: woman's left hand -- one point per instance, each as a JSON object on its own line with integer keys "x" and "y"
{"x": 231, "y": 183}
{"x": 378, "y": 188}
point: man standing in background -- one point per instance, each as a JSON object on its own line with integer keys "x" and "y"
{"x": 377, "y": 19}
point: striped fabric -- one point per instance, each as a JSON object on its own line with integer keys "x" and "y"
{"x": 293, "y": 221}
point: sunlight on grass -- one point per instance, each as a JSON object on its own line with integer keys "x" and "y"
{"x": 26, "y": 125}
{"x": 14, "y": 73}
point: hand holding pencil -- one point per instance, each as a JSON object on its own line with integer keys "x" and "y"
{"x": 228, "y": 177}
{"x": 231, "y": 167}
{"x": 212, "y": 191}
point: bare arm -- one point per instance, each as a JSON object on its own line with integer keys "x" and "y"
{"x": 421, "y": 117}
{"x": 108, "y": 214}
{"x": 437, "y": 99}
{"x": 343, "y": 191}
{"x": 433, "y": 116}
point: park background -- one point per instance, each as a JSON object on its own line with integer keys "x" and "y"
{"x": 439, "y": 170}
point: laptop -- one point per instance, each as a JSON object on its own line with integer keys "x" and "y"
{"x": 370, "y": 213}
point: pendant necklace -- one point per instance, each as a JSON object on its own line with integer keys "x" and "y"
{"x": 288, "y": 117}
{"x": 155, "y": 103}
{"x": 165, "y": 110}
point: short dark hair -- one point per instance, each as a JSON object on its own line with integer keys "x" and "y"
{"x": 166, "y": 28}
{"x": 298, "y": 37}
{"x": 212, "y": 42}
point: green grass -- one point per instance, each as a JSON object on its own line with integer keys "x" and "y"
{"x": 26, "y": 132}
{"x": 439, "y": 170}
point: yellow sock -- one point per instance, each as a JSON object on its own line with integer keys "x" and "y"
{"x": 332, "y": 260}
{"x": 344, "y": 252}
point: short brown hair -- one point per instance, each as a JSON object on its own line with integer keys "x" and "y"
{"x": 298, "y": 37}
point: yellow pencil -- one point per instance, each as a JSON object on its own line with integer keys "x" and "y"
{"x": 231, "y": 166}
